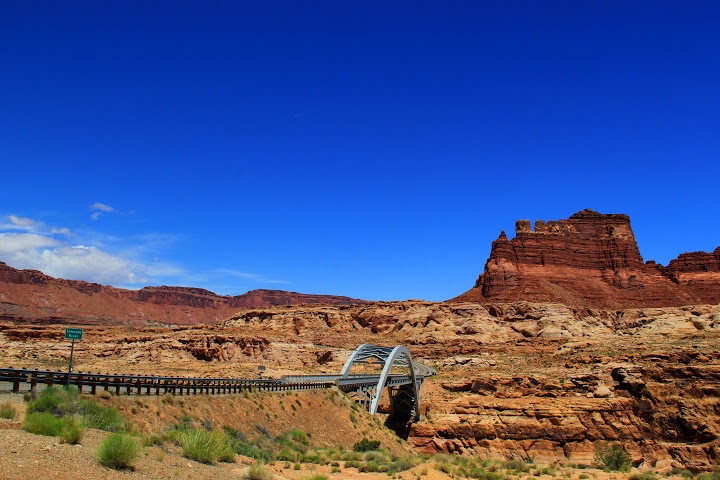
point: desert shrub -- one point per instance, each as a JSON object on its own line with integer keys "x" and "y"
{"x": 72, "y": 431}
{"x": 299, "y": 436}
{"x": 258, "y": 472}
{"x": 7, "y": 411}
{"x": 371, "y": 466}
{"x": 444, "y": 467}
{"x": 118, "y": 451}
{"x": 206, "y": 446}
{"x": 99, "y": 416}
{"x": 612, "y": 456}
{"x": 65, "y": 402}
{"x": 366, "y": 445}
{"x": 49, "y": 401}
{"x": 239, "y": 444}
{"x": 401, "y": 464}
{"x": 351, "y": 456}
{"x": 482, "y": 474}
{"x": 517, "y": 465}
{"x": 288, "y": 454}
{"x": 154, "y": 439}
{"x": 317, "y": 476}
{"x": 374, "y": 455}
{"x": 43, "y": 423}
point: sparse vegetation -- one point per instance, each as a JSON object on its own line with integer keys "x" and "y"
{"x": 258, "y": 472}
{"x": 7, "y": 411}
{"x": 206, "y": 446}
{"x": 366, "y": 445}
{"x": 61, "y": 402}
{"x": 118, "y": 451}
{"x": 43, "y": 423}
{"x": 72, "y": 431}
{"x": 612, "y": 457}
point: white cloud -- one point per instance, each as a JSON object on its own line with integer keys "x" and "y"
{"x": 24, "y": 223}
{"x": 101, "y": 208}
{"x": 249, "y": 276}
{"x": 61, "y": 231}
{"x": 44, "y": 253}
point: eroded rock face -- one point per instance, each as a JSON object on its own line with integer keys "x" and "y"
{"x": 591, "y": 259}
{"x": 698, "y": 272}
{"x": 515, "y": 380}
{"x": 29, "y": 296}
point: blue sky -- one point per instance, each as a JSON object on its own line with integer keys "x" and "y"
{"x": 369, "y": 149}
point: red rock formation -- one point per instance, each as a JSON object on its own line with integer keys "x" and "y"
{"x": 591, "y": 259}
{"x": 30, "y": 296}
{"x": 698, "y": 272}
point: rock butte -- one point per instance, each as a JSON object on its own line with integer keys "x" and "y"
{"x": 591, "y": 259}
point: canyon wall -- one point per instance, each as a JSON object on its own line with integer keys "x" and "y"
{"x": 30, "y": 296}
{"x": 591, "y": 259}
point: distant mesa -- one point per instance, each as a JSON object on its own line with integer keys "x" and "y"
{"x": 30, "y": 296}
{"x": 591, "y": 259}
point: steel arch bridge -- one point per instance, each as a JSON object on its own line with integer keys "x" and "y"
{"x": 403, "y": 389}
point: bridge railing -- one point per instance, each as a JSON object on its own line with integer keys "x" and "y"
{"x": 145, "y": 384}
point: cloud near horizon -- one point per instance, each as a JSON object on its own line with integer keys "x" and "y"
{"x": 75, "y": 262}
{"x": 26, "y": 243}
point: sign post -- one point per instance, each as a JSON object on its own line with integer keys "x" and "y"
{"x": 72, "y": 334}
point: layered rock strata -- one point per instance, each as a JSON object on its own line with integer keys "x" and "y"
{"x": 591, "y": 259}
{"x": 29, "y": 296}
{"x": 520, "y": 380}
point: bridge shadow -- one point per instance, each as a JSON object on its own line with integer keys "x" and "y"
{"x": 401, "y": 426}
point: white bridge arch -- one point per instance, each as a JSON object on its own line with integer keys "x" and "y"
{"x": 403, "y": 389}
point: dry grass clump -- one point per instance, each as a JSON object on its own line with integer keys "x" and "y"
{"x": 7, "y": 411}
{"x": 118, "y": 451}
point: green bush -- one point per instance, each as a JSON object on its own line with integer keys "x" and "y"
{"x": 317, "y": 476}
{"x": 258, "y": 472}
{"x": 7, "y": 411}
{"x": 206, "y": 446}
{"x": 72, "y": 431}
{"x": 241, "y": 446}
{"x": 299, "y": 436}
{"x": 612, "y": 456}
{"x": 366, "y": 445}
{"x": 118, "y": 451}
{"x": 97, "y": 415}
{"x": 63, "y": 402}
{"x": 49, "y": 401}
{"x": 43, "y": 423}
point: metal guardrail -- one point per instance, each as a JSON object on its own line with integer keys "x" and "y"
{"x": 148, "y": 385}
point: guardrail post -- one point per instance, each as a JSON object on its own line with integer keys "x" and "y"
{"x": 80, "y": 382}
{"x": 16, "y": 383}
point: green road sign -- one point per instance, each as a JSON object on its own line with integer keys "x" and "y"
{"x": 73, "y": 333}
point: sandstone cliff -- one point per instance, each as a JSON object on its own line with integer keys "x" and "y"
{"x": 537, "y": 381}
{"x": 30, "y": 296}
{"x": 591, "y": 259}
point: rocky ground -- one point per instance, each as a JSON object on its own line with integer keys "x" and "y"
{"x": 540, "y": 382}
